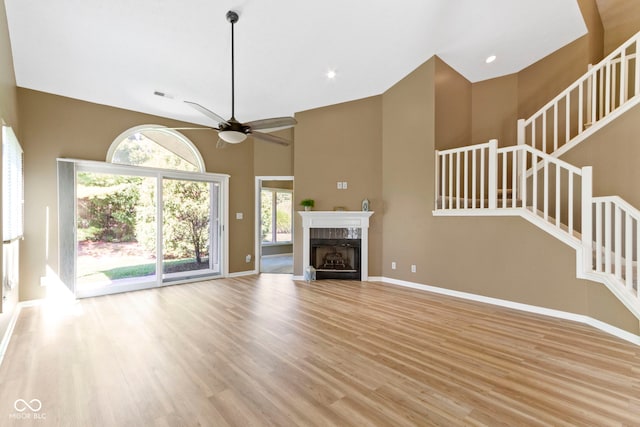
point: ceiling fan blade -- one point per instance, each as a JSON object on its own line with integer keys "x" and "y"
{"x": 207, "y": 112}
{"x": 194, "y": 128}
{"x": 270, "y": 138}
{"x": 273, "y": 124}
{"x": 221, "y": 144}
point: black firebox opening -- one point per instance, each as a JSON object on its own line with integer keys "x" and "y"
{"x": 336, "y": 258}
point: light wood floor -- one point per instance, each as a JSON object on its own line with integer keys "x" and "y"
{"x": 270, "y": 351}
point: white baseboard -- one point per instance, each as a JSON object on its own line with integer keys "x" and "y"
{"x": 598, "y": 324}
{"x": 242, "y": 273}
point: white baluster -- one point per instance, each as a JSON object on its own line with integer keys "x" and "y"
{"x": 580, "y": 108}
{"x": 534, "y": 190}
{"x": 587, "y": 220}
{"x": 636, "y": 89}
{"x": 493, "y": 174}
{"x": 473, "y": 179}
{"x": 628, "y": 251}
{"x": 623, "y": 77}
{"x": 437, "y": 180}
{"x": 458, "y": 180}
{"x": 570, "y": 203}
{"x": 617, "y": 241}
{"x": 466, "y": 179}
{"x": 607, "y": 94}
{"x": 482, "y": 181}
{"x": 545, "y": 189}
{"x": 607, "y": 237}
{"x": 443, "y": 183}
{"x": 567, "y": 124}
{"x": 514, "y": 178}
{"x": 450, "y": 195}
{"x": 558, "y": 176}
{"x": 555, "y": 126}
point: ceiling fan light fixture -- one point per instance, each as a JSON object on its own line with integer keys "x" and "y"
{"x": 232, "y": 136}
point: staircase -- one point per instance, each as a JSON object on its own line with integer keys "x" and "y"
{"x": 602, "y": 94}
{"x": 530, "y": 181}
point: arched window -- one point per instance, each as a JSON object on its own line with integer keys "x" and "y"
{"x": 157, "y": 147}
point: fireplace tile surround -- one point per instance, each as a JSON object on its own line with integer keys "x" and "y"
{"x": 336, "y": 225}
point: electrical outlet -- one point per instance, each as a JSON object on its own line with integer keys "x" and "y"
{"x": 339, "y": 185}
{"x": 248, "y": 258}
{"x": 413, "y": 268}
{"x": 393, "y": 265}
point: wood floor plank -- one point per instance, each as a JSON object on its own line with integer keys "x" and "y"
{"x": 268, "y": 351}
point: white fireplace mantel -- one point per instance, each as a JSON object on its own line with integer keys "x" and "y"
{"x": 337, "y": 219}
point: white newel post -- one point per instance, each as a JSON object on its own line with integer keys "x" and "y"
{"x": 437, "y": 169}
{"x": 587, "y": 218}
{"x": 521, "y": 163}
{"x": 337, "y": 219}
{"x": 493, "y": 174}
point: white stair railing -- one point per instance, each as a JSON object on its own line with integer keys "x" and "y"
{"x": 466, "y": 177}
{"x": 617, "y": 242}
{"x": 483, "y": 176}
{"x": 554, "y": 193}
{"x": 604, "y": 92}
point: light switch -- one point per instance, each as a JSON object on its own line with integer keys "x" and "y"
{"x": 339, "y": 185}
{"x": 344, "y": 185}
{"x": 239, "y": 215}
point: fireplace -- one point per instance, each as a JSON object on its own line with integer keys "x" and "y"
{"x": 335, "y": 253}
{"x": 335, "y": 244}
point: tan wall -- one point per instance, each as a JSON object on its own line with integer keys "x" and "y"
{"x": 340, "y": 143}
{"x": 408, "y": 143}
{"x": 614, "y": 154}
{"x": 595, "y": 28}
{"x": 54, "y": 127}
{"x": 621, "y": 20}
{"x": 542, "y": 81}
{"x": 494, "y": 106}
{"x": 453, "y": 107}
{"x": 273, "y": 159}
{"x": 8, "y": 113}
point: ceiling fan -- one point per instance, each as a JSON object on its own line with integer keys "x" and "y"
{"x": 232, "y": 131}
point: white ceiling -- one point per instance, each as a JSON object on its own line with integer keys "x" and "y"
{"x": 118, "y": 52}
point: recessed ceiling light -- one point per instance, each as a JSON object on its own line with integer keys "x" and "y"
{"x": 331, "y": 74}
{"x": 490, "y": 59}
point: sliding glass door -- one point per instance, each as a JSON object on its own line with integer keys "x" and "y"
{"x": 115, "y": 230}
{"x": 138, "y": 228}
{"x": 190, "y": 231}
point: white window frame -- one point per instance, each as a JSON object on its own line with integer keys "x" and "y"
{"x": 12, "y": 186}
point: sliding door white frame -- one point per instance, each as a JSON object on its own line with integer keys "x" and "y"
{"x": 159, "y": 174}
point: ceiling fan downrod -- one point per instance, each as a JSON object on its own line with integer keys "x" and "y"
{"x": 232, "y": 17}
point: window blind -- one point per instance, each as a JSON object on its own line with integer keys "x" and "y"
{"x": 12, "y": 186}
